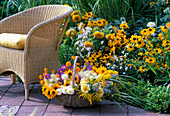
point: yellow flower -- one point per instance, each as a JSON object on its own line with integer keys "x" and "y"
{"x": 89, "y": 14}
{"x": 108, "y": 76}
{"x": 76, "y": 18}
{"x": 53, "y": 93}
{"x": 164, "y": 29}
{"x": 68, "y": 63}
{"x": 74, "y": 12}
{"x": 168, "y": 25}
{"x": 44, "y": 88}
{"x": 130, "y": 47}
{"x": 165, "y": 43}
{"x": 158, "y": 50}
{"x": 69, "y": 73}
{"x": 66, "y": 82}
{"x": 100, "y": 23}
{"x": 47, "y": 93}
{"x": 67, "y": 5}
{"x": 151, "y": 30}
{"x": 142, "y": 69}
{"x": 56, "y": 86}
{"x": 100, "y": 92}
{"x": 90, "y": 24}
{"x": 42, "y": 82}
{"x": 108, "y": 36}
{"x": 98, "y": 35}
{"x": 160, "y": 36}
{"x": 140, "y": 43}
{"x": 151, "y": 60}
{"x": 95, "y": 70}
{"x": 118, "y": 45}
{"x": 88, "y": 44}
{"x": 94, "y": 23}
{"x": 134, "y": 38}
{"x": 124, "y": 26}
{"x": 144, "y": 32}
{"x": 71, "y": 32}
{"x": 104, "y": 22}
{"x": 102, "y": 70}
{"x": 85, "y": 88}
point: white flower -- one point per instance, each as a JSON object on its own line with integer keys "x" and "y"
{"x": 126, "y": 68}
{"x": 88, "y": 28}
{"x": 121, "y": 67}
{"x": 70, "y": 91}
{"x": 77, "y": 42}
{"x": 151, "y": 24}
{"x": 88, "y": 48}
{"x": 53, "y": 76}
{"x": 102, "y": 42}
{"x": 81, "y": 44}
{"x": 59, "y": 91}
{"x": 124, "y": 73}
{"x": 82, "y": 49}
{"x": 64, "y": 76}
{"x": 80, "y": 26}
{"x": 115, "y": 57}
{"x": 64, "y": 90}
{"x": 80, "y": 36}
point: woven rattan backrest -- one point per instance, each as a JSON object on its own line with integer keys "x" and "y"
{"x": 24, "y": 21}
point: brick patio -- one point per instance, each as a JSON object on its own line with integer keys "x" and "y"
{"x": 13, "y": 95}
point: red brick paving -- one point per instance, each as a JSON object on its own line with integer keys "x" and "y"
{"x": 13, "y": 95}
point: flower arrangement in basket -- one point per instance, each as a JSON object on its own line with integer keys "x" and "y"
{"x": 78, "y": 86}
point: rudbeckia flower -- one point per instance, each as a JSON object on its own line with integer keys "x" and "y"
{"x": 124, "y": 26}
{"x": 74, "y": 12}
{"x": 88, "y": 44}
{"x": 56, "y": 86}
{"x": 98, "y": 35}
{"x": 76, "y": 18}
{"x": 53, "y": 93}
{"x": 142, "y": 69}
{"x": 164, "y": 29}
{"x": 130, "y": 47}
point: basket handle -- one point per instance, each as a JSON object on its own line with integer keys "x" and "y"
{"x": 74, "y": 69}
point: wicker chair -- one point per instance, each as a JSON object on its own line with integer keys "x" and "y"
{"x": 42, "y": 25}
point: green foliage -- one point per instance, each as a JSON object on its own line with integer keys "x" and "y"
{"x": 66, "y": 51}
{"x": 155, "y": 97}
{"x": 9, "y": 7}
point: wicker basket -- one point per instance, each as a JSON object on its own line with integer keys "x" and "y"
{"x": 73, "y": 100}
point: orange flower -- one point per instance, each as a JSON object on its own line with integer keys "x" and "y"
{"x": 77, "y": 69}
{"x": 68, "y": 63}
{"x": 42, "y": 82}
{"x": 53, "y": 71}
{"x": 57, "y": 75}
{"x": 73, "y": 57}
{"x": 45, "y": 70}
{"x": 40, "y": 77}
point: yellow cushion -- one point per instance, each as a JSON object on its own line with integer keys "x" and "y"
{"x": 11, "y": 40}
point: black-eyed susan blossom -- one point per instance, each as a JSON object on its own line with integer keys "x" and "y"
{"x": 98, "y": 35}
{"x": 76, "y": 18}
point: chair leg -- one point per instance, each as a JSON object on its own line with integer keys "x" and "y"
{"x": 13, "y": 78}
{"x": 26, "y": 91}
